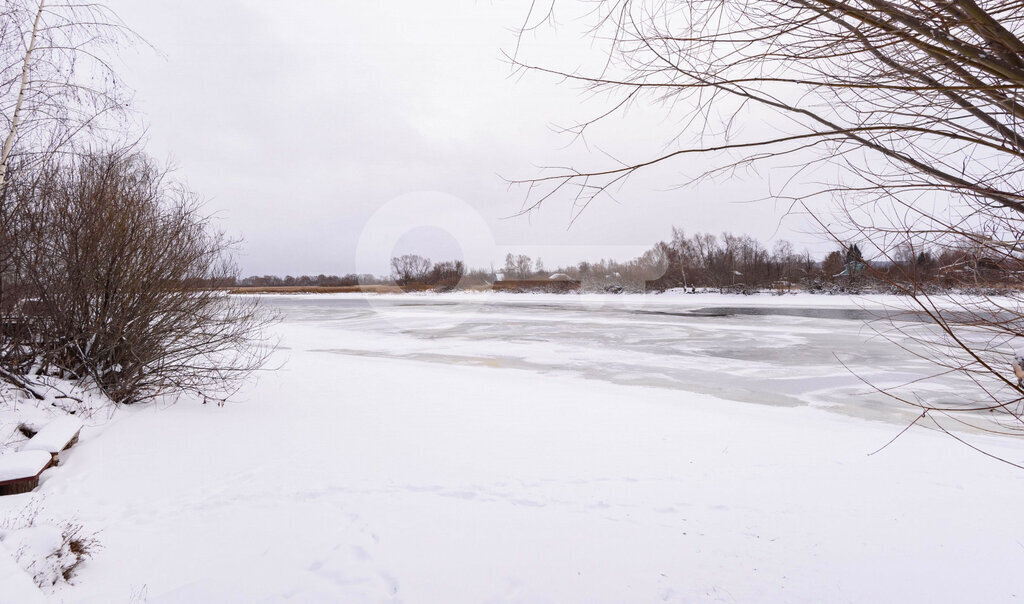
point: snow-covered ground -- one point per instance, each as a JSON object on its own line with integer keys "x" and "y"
{"x": 480, "y": 448}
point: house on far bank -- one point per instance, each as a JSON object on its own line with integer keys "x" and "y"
{"x": 855, "y": 264}
{"x": 852, "y": 269}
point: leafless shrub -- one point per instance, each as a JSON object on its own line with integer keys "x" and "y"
{"x": 447, "y": 274}
{"x": 123, "y": 271}
{"x": 57, "y": 89}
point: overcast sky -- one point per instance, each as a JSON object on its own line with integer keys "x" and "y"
{"x": 332, "y": 133}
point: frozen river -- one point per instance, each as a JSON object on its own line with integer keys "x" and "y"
{"x": 500, "y": 448}
{"x": 787, "y": 351}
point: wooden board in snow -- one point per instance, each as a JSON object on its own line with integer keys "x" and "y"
{"x": 19, "y": 472}
{"x": 56, "y": 436}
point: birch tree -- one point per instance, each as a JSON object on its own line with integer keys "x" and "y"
{"x": 56, "y": 82}
{"x": 58, "y": 93}
{"x": 16, "y": 111}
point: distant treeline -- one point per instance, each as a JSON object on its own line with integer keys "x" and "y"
{"x": 731, "y": 261}
{"x": 723, "y": 262}
{"x": 407, "y": 270}
{"x": 310, "y": 281}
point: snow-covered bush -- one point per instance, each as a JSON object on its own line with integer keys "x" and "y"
{"x": 119, "y": 272}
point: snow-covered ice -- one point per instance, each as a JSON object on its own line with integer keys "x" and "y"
{"x": 546, "y": 449}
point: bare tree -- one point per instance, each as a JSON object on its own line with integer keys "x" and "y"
{"x": 832, "y": 265}
{"x": 519, "y": 266}
{"x": 930, "y": 90}
{"x": 538, "y": 267}
{"x": 909, "y": 113}
{"x": 409, "y": 268}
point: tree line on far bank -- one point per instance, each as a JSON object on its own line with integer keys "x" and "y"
{"x": 725, "y": 262}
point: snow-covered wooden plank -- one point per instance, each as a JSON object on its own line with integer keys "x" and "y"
{"x": 19, "y": 472}
{"x": 56, "y": 436}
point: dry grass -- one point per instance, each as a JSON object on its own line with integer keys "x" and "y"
{"x": 79, "y": 548}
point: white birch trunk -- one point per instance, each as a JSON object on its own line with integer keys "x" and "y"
{"x": 5, "y": 155}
